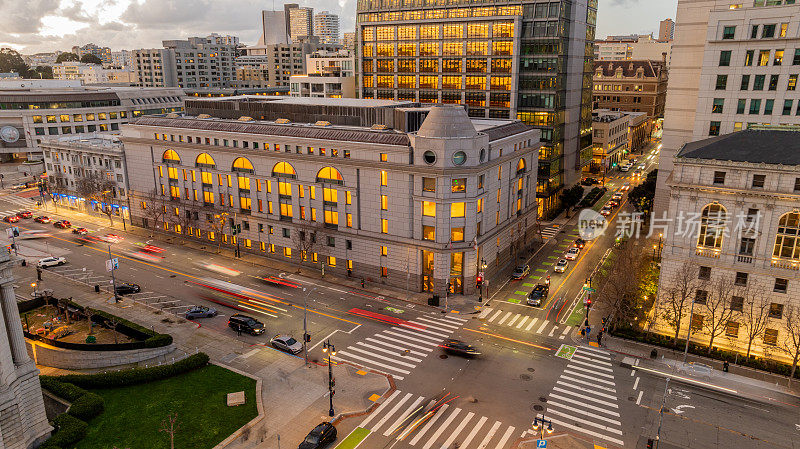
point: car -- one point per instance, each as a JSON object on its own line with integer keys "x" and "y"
{"x": 641, "y": 167}
{"x": 80, "y": 231}
{"x": 19, "y": 186}
{"x": 458, "y": 347}
{"x": 697, "y": 369}
{"x": 11, "y": 219}
{"x": 520, "y": 272}
{"x": 625, "y": 187}
{"x": 43, "y": 219}
{"x": 244, "y": 323}
{"x": 538, "y": 295}
{"x": 613, "y": 202}
{"x": 561, "y": 266}
{"x": 572, "y": 254}
{"x": 579, "y": 243}
{"x": 126, "y": 288}
{"x": 589, "y": 181}
{"x": 625, "y": 167}
{"x": 286, "y": 343}
{"x": 63, "y": 224}
{"x": 606, "y": 210}
{"x": 25, "y": 214}
{"x": 111, "y": 238}
{"x": 200, "y": 312}
{"x": 51, "y": 261}
{"x": 319, "y": 437}
{"x": 617, "y": 196}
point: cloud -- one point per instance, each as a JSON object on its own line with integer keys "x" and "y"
{"x": 25, "y": 16}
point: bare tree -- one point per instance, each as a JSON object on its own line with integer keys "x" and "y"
{"x": 113, "y": 323}
{"x": 305, "y": 242}
{"x": 170, "y": 425}
{"x": 717, "y": 306}
{"x": 153, "y": 208}
{"x": 791, "y": 344}
{"x": 755, "y": 313}
{"x": 182, "y": 220}
{"x": 97, "y": 187}
{"x": 677, "y": 296}
{"x": 218, "y": 224}
{"x": 619, "y": 291}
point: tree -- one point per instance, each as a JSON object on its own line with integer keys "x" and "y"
{"x": 218, "y": 224}
{"x": 755, "y": 313}
{"x": 618, "y": 294}
{"x": 66, "y": 57}
{"x": 570, "y": 197}
{"x": 791, "y": 345}
{"x": 677, "y": 295}
{"x": 641, "y": 196}
{"x": 96, "y": 186}
{"x": 89, "y": 58}
{"x": 183, "y": 220}
{"x": 153, "y": 208}
{"x": 43, "y": 71}
{"x": 11, "y": 61}
{"x": 170, "y": 425}
{"x": 717, "y": 308}
{"x": 306, "y": 241}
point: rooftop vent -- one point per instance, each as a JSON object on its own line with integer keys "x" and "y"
{"x": 322, "y": 123}
{"x": 245, "y": 118}
{"x": 283, "y": 121}
{"x": 203, "y": 116}
{"x": 172, "y": 115}
{"x": 379, "y": 126}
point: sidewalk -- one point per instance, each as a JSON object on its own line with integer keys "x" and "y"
{"x": 294, "y": 397}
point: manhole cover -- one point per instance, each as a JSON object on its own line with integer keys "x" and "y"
{"x": 530, "y": 370}
{"x": 538, "y": 408}
{"x": 631, "y": 398}
{"x": 525, "y": 377}
{"x": 442, "y": 356}
{"x": 542, "y": 399}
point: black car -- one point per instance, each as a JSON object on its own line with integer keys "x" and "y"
{"x": 321, "y": 436}
{"x": 589, "y": 181}
{"x": 127, "y": 288}
{"x": 244, "y": 323}
{"x": 579, "y": 243}
{"x": 458, "y": 347}
{"x": 538, "y": 295}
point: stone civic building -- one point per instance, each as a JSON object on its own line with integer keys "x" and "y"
{"x": 418, "y": 210}
{"x": 631, "y": 86}
{"x": 739, "y": 195}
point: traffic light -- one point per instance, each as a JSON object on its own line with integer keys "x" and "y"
{"x": 650, "y": 443}
{"x": 307, "y": 338}
{"x": 478, "y": 281}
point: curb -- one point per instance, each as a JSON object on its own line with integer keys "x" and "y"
{"x": 259, "y": 406}
{"x": 392, "y": 387}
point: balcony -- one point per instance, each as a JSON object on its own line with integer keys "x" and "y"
{"x": 245, "y": 211}
{"x": 707, "y": 252}
{"x": 744, "y": 259}
{"x": 786, "y": 264}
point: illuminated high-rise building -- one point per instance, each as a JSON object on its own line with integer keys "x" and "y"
{"x": 526, "y": 59}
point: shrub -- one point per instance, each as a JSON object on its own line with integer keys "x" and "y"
{"x": 68, "y": 431}
{"x": 152, "y": 338}
{"x": 158, "y": 341}
{"x": 85, "y": 405}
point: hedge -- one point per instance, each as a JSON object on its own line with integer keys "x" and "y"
{"x": 135, "y": 376}
{"x": 68, "y": 431}
{"x": 155, "y": 340}
{"x": 85, "y": 404}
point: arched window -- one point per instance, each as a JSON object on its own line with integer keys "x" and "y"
{"x": 330, "y": 175}
{"x": 204, "y": 160}
{"x": 242, "y": 164}
{"x": 284, "y": 170}
{"x": 170, "y": 157}
{"x": 521, "y": 166}
{"x": 787, "y": 241}
{"x": 713, "y": 220}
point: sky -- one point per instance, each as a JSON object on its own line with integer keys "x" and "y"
{"x": 31, "y": 26}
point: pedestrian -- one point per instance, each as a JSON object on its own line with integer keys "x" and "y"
{"x": 583, "y": 332}
{"x": 600, "y": 338}
{"x": 362, "y": 282}
{"x": 239, "y": 331}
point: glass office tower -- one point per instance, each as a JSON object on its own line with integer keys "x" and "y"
{"x": 530, "y": 60}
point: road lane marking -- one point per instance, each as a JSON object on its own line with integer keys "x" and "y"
{"x": 522, "y": 321}
{"x": 588, "y": 384}
{"x": 441, "y": 428}
{"x": 369, "y": 362}
{"x": 423, "y": 338}
{"x": 552, "y": 331}
{"x": 386, "y": 351}
{"x": 587, "y": 431}
{"x": 598, "y": 361}
{"x": 392, "y": 428}
{"x": 474, "y": 431}
{"x": 564, "y": 334}
{"x": 574, "y": 362}
{"x": 458, "y": 430}
{"x": 505, "y": 317}
{"x": 424, "y": 331}
{"x": 589, "y": 376}
{"x": 514, "y": 320}
{"x": 404, "y": 342}
{"x": 378, "y": 356}
{"x": 447, "y": 327}
{"x": 635, "y": 383}
{"x": 380, "y": 342}
{"x": 580, "y": 405}
{"x": 495, "y": 315}
{"x": 391, "y": 412}
{"x": 639, "y": 399}
{"x": 589, "y": 423}
{"x": 380, "y": 408}
{"x": 530, "y": 325}
{"x": 428, "y": 426}
{"x": 505, "y": 438}
{"x": 586, "y": 390}
{"x": 485, "y": 312}
{"x": 510, "y": 339}
{"x": 489, "y": 435}
{"x": 544, "y": 325}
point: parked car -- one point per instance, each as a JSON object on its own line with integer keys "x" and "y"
{"x": 43, "y": 219}
{"x": 200, "y": 312}
{"x": 589, "y": 181}
{"x": 286, "y": 343}
{"x": 572, "y": 254}
{"x": 80, "y": 231}
{"x": 520, "y": 272}
{"x": 579, "y": 243}
{"x": 126, "y": 288}
{"x": 537, "y": 296}
{"x": 244, "y": 323}
{"x": 319, "y": 437}
{"x": 51, "y": 261}
{"x": 25, "y": 214}
{"x": 458, "y": 347}
{"x": 63, "y": 224}
{"x": 11, "y": 219}
{"x": 561, "y": 266}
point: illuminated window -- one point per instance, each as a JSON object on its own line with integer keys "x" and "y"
{"x": 429, "y": 49}
{"x": 476, "y": 66}
{"x": 284, "y": 170}
{"x": 330, "y": 195}
{"x": 331, "y": 217}
{"x": 204, "y": 160}
{"x": 428, "y": 209}
{"x": 170, "y": 156}
{"x": 172, "y": 172}
{"x": 405, "y": 49}
{"x": 477, "y": 48}
{"x": 349, "y": 218}
{"x": 384, "y": 202}
{"x": 242, "y": 164}
{"x": 368, "y": 34}
{"x": 406, "y": 82}
{"x": 228, "y": 180}
{"x": 429, "y": 65}
{"x": 429, "y": 32}
{"x": 348, "y": 197}
{"x": 428, "y": 232}
{"x": 331, "y": 261}
{"x": 368, "y": 50}
{"x": 457, "y": 234}
{"x": 385, "y": 50}
{"x": 428, "y": 82}
{"x": 406, "y": 65}
{"x": 285, "y": 189}
{"x": 478, "y": 30}
{"x": 384, "y": 250}
{"x": 208, "y": 197}
{"x": 502, "y": 48}
{"x": 476, "y": 83}
{"x": 504, "y": 29}
{"x": 712, "y": 226}
{"x": 385, "y": 81}
{"x": 385, "y": 33}
{"x": 501, "y": 83}
{"x": 453, "y": 31}
{"x": 330, "y": 175}
{"x": 245, "y": 202}
{"x": 244, "y": 182}
{"x": 313, "y": 214}
{"x": 286, "y": 210}
{"x": 384, "y": 178}
{"x": 384, "y": 226}
{"x": 452, "y": 48}
{"x": 407, "y": 32}
{"x": 287, "y": 252}
{"x": 480, "y": 205}
{"x": 787, "y": 243}
{"x": 457, "y": 210}
{"x": 312, "y": 191}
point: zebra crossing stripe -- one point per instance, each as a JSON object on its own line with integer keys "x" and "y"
{"x": 594, "y": 350}
{"x": 581, "y": 381}
{"x": 580, "y": 404}
{"x": 474, "y": 431}
{"x": 429, "y": 339}
{"x": 587, "y": 431}
{"x": 544, "y": 325}
{"x": 495, "y": 316}
{"x": 505, "y": 438}
{"x": 589, "y": 359}
{"x": 590, "y": 365}
{"x": 424, "y": 331}
{"x": 391, "y": 412}
{"x": 386, "y": 351}
{"x": 531, "y": 324}
{"x": 586, "y": 390}
{"x": 389, "y": 345}
{"x": 458, "y": 429}
{"x": 505, "y": 317}
{"x": 405, "y": 337}
{"x": 514, "y": 320}
{"x": 370, "y": 362}
{"x": 382, "y": 357}
{"x": 485, "y": 312}
{"x": 402, "y": 416}
{"x": 380, "y": 408}
{"x": 440, "y": 430}
{"x": 450, "y": 327}
{"x": 589, "y": 376}
{"x": 430, "y": 424}
{"x": 522, "y": 321}
{"x": 489, "y": 435}
{"x": 588, "y": 423}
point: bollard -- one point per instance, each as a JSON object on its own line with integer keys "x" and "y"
{"x": 653, "y": 354}
{"x": 97, "y": 288}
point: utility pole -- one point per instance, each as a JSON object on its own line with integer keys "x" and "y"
{"x": 305, "y": 326}
{"x": 113, "y": 279}
{"x": 661, "y": 412}
{"x": 688, "y": 333}
{"x": 328, "y": 348}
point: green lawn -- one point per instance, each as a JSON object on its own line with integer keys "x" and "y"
{"x": 133, "y": 414}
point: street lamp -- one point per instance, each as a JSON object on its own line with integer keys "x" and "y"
{"x": 328, "y": 348}
{"x": 539, "y": 424}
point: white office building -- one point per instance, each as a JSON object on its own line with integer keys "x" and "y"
{"x": 326, "y": 26}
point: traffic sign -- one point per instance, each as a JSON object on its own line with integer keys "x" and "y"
{"x": 394, "y": 310}
{"x": 541, "y": 444}
{"x": 112, "y": 264}
{"x": 589, "y": 289}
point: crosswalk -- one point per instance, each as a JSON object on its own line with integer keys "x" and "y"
{"x": 451, "y": 426}
{"x": 525, "y": 323}
{"x": 550, "y": 231}
{"x": 584, "y": 398}
{"x": 25, "y": 202}
{"x": 399, "y": 349}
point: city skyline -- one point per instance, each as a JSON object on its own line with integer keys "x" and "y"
{"x": 50, "y": 25}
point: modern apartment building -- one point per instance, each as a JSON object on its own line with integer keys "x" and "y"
{"x": 197, "y": 62}
{"x": 349, "y": 42}
{"x": 301, "y": 23}
{"x": 529, "y": 60}
{"x": 632, "y": 86}
{"x": 738, "y": 65}
{"x": 56, "y": 108}
{"x": 329, "y": 83}
{"x": 273, "y": 65}
{"x": 93, "y": 73}
{"x": 103, "y": 53}
{"x": 322, "y": 60}
{"x": 731, "y": 253}
{"x": 121, "y": 60}
{"x": 666, "y": 30}
{"x": 420, "y": 210}
{"x": 326, "y": 27}
{"x": 634, "y": 47}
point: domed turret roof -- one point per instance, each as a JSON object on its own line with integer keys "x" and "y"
{"x": 447, "y": 122}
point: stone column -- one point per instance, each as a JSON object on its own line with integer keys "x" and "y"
{"x": 13, "y": 325}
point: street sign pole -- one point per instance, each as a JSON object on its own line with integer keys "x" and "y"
{"x": 113, "y": 279}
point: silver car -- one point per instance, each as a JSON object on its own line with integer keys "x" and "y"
{"x": 561, "y": 266}
{"x": 200, "y": 312}
{"x": 51, "y": 261}
{"x": 286, "y": 343}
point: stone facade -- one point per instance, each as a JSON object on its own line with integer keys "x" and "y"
{"x": 412, "y": 210}
{"x": 54, "y": 357}
{"x": 631, "y": 86}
